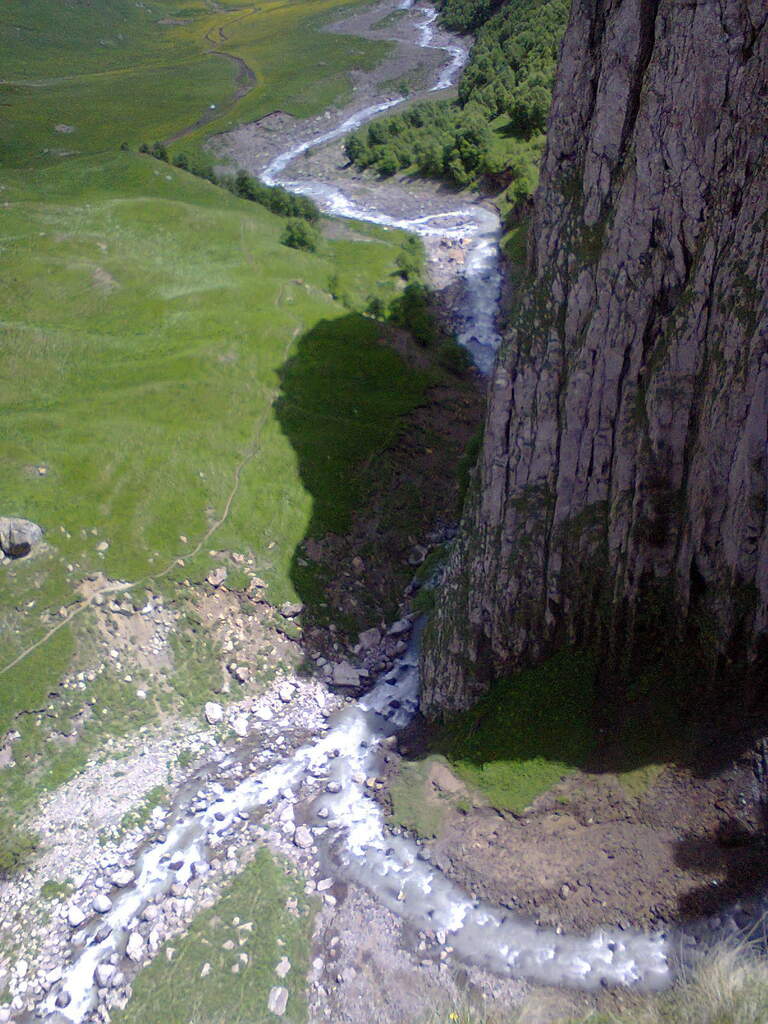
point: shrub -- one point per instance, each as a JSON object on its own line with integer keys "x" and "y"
{"x": 17, "y": 847}
{"x": 299, "y": 234}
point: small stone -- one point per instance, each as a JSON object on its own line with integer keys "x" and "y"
{"x": 265, "y": 714}
{"x": 278, "y": 1000}
{"x": 102, "y": 904}
{"x": 205, "y": 971}
{"x": 102, "y": 546}
{"x": 399, "y": 627}
{"x": 122, "y": 878}
{"x": 240, "y": 726}
{"x": 134, "y": 949}
{"x": 283, "y": 967}
{"x": 346, "y": 675}
{"x": 103, "y": 975}
{"x": 217, "y": 576}
{"x": 290, "y": 610}
{"x": 369, "y": 639}
{"x": 75, "y": 917}
{"x": 214, "y": 713}
{"x": 63, "y": 999}
{"x": 302, "y": 837}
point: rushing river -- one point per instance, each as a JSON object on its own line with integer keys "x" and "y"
{"x": 347, "y": 823}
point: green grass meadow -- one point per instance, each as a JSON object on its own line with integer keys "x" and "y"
{"x": 165, "y": 359}
{"x": 241, "y": 939}
{"x": 120, "y": 71}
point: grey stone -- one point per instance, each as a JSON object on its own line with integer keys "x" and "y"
{"x": 278, "y": 1000}
{"x": 102, "y": 904}
{"x": 346, "y": 675}
{"x": 302, "y": 837}
{"x": 369, "y": 639}
{"x": 18, "y": 536}
{"x": 217, "y": 576}
{"x": 214, "y": 713}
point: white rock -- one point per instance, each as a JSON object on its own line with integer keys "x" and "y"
{"x": 399, "y": 627}
{"x": 21, "y": 968}
{"x": 214, "y": 713}
{"x": 286, "y": 693}
{"x": 240, "y": 726}
{"x": 278, "y": 1000}
{"x": 134, "y": 949}
{"x": 122, "y": 878}
{"x": 265, "y": 714}
{"x": 206, "y": 970}
{"x": 102, "y": 904}
{"x": 302, "y": 837}
{"x": 75, "y": 917}
{"x": 103, "y": 975}
{"x": 283, "y": 967}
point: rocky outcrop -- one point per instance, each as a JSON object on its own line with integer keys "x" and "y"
{"x": 621, "y": 494}
{"x": 18, "y": 536}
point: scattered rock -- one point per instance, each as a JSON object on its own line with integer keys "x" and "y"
{"x": 302, "y": 837}
{"x": 278, "y": 1000}
{"x": 75, "y": 917}
{"x": 346, "y": 675}
{"x": 205, "y": 970}
{"x": 290, "y": 610}
{"x": 102, "y": 904}
{"x": 122, "y": 878}
{"x": 240, "y": 726}
{"x": 134, "y": 950}
{"x": 400, "y": 627}
{"x": 18, "y": 536}
{"x": 217, "y": 576}
{"x": 369, "y": 639}
{"x": 214, "y": 713}
{"x": 283, "y": 967}
{"x": 104, "y": 974}
{"x": 102, "y": 546}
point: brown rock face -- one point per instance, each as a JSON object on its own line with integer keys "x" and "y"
{"x": 622, "y": 492}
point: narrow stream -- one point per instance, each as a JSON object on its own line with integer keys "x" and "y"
{"x": 346, "y": 823}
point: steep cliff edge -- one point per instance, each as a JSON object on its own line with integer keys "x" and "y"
{"x": 621, "y": 495}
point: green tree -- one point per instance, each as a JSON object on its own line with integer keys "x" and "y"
{"x": 300, "y": 234}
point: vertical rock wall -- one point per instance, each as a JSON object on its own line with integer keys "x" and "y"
{"x": 621, "y": 498}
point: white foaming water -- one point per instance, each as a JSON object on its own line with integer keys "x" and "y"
{"x": 351, "y": 836}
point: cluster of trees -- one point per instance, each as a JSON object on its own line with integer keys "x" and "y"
{"x": 510, "y": 72}
{"x": 274, "y": 198}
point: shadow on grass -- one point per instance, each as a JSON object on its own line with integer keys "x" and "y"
{"x": 345, "y": 396}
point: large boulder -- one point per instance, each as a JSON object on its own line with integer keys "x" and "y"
{"x": 18, "y": 536}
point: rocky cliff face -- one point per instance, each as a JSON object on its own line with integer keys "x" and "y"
{"x": 622, "y": 491}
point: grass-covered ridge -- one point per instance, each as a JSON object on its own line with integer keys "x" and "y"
{"x": 148, "y": 315}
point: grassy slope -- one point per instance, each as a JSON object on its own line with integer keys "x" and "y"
{"x": 120, "y": 71}
{"x": 256, "y": 897}
{"x": 147, "y": 320}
